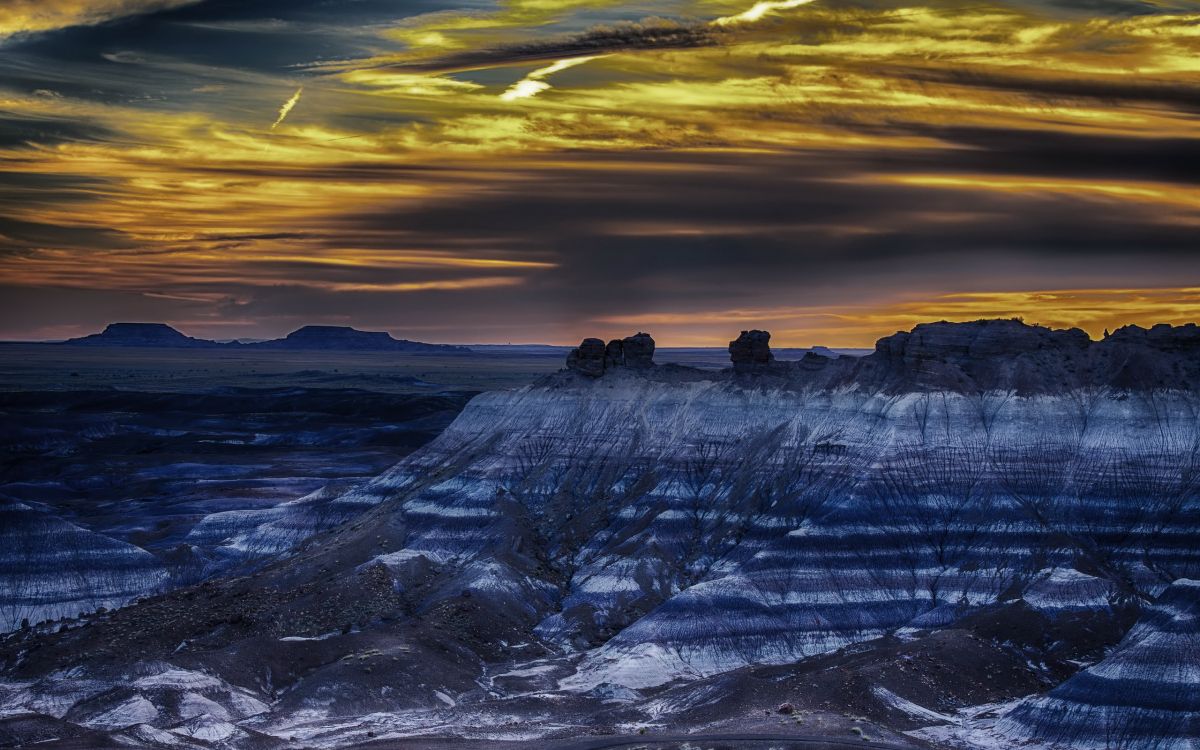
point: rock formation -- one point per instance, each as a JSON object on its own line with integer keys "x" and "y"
{"x": 614, "y": 354}
{"x": 1184, "y": 338}
{"x": 751, "y": 351}
{"x": 593, "y": 358}
{"x": 587, "y": 358}
{"x": 984, "y": 354}
{"x": 637, "y": 351}
{"x": 974, "y": 357}
{"x": 1028, "y": 359}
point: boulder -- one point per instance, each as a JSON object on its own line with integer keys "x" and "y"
{"x": 751, "y": 351}
{"x": 638, "y": 350}
{"x": 587, "y": 358}
{"x": 614, "y": 354}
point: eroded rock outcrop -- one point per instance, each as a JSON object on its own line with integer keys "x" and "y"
{"x": 1169, "y": 338}
{"x": 983, "y": 354}
{"x": 751, "y": 351}
{"x": 1028, "y": 359}
{"x": 593, "y": 357}
{"x": 637, "y": 351}
{"x": 587, "y": 358}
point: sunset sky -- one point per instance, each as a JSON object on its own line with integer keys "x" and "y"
{"x": 540, "y": 170}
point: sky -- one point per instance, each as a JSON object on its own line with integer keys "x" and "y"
{"x": 544, "y": 170}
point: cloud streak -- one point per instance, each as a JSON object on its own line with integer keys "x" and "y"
{"x": 535, "y": 82}
{"x": 287, "y": 107}
{"x": 759, "y": 11}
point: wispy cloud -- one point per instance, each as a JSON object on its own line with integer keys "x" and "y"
{"x": 534, "y": 83}
{"x": 759, "y": 11}
{"x": 287, "y": 107}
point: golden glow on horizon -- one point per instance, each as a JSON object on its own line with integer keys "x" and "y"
{"x": 1093, "y": 310}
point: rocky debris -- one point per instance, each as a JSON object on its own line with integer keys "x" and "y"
{"x": 592, "y": 357}
{"x": 751, "y": 351}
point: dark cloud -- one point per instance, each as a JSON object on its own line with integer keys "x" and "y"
{"x": 159, "y": 59}
{"x": 773, "y": 229}
{"x": 24, "y": 236}
{"x": 1111, "y": 90}
{"x": 1079, "y": 155}
{"x": 19, "y": 130}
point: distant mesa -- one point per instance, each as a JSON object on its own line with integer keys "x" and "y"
{"x": 155, "y": 335}
{"x": 344, "y": 338}
{"x": 308, "y": 338}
